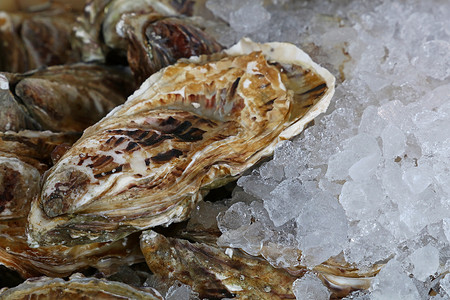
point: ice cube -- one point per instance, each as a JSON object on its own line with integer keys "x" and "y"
{"x": 310, "y": 287}
{"x": 286, "y": 201}
{"x": 425, "y": 262}
{"x": 394, "y": 142}
{"x": 393, "y": 283}
{"x": 322, "y": 216}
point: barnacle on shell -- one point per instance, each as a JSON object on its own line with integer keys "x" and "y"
{"x": 191, "y": 127}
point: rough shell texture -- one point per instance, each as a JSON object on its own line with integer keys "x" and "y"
{"x": 212, "y": 272}
{"x": 155, "y": 42}
{"x": 36, "y": 148}
{"x": 71, "y": 97}
{"x": 77, "y": 287}
{"x": 19, "y": 183}
{"x": 32, "y": 40}
{"x": 191, "y": 127}
{"x": 13, "y": 116}
{"x": 96, "y": 31}
{"x": 60, "y": 261}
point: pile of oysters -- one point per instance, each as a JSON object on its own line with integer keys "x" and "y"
{"x": 114, "y": 123}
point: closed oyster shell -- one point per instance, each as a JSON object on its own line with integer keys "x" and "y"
{"x": 35, "y": 147}
{"x": 67, "y": 98}
{"x": 214, "y": 272}
{"x": 19, "y": 182}
{"x": 96, "y": 32}
{"x": 154, "y": 42}
{"x": 191, "y": 127}
{"x": 77, "y": 287}
{"x": 59, "y": 260}
{"x": 33, "y": 40}
{"x": 13, "y": 116}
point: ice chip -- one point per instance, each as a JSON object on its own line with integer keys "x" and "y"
{"x": 417, "y": 179}
{"x": 393, "y": 283}
{"x": 310, "y": 287}
{"x": 362, "y": 200}
{"x": 339, "y": 165}
{"x": 365, "y": 167}
{"x": 179, "y": 291}
{"x": 286, "y": 201}
{"x": 4, "y": 82}
{"x": 394, "y": 141}
{"x": 322, "y": 216}
{"x": 445, "y": 283}
{"x": 425, "y": 262}
{"x": 249, "y": 17}
{"x": 429, "y": 53}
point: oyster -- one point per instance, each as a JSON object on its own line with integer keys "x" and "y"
{"x": 77, "y": 287}
{"x": 36, "y": 147}
{"x": 155, "y": 42}
{"x": 66, "y": 98}
{"x": 13, "y": 116}
{"x": 59, "y": 260}
{"x": 191, "y": 127}
{"x": 212, "y": 272}
{"x": 32, "y": 40}
{"x": 96, "y": 30}
{"x": 142, "y": 31}
{"x": 216, "y": 272}
{"x": 19, "y": 181}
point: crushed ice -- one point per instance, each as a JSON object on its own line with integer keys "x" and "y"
{"x": 371, "y": 178}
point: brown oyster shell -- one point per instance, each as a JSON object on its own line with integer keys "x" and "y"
{"x": 67, "y": 98}
{"x": 61, "y": 261}
{"x": 27, "y": 154}
{"x": 33, "y": 40}
{"x": 154, "y": 42}
{"x": 13, "y": 116}
{"x": 77, "y": 287}
{"x": 35, "y": 147}
{"x": 212, "y": 272}
{"x": 191, "y": 127}
{"x": 19, "y": 182}
{"x": 96, "y": 31}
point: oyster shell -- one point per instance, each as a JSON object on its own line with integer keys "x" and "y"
{"x": 96, "y": 31}
{"x": 212, "y": 272}
{"x": 191, "y": 127}
{"x": 59, "y": 260}
{"x": 13, "y": 116}
{"x": 77, "y": 287}
{"x": 217, "y": 272}
{"x": 154, "y": 42}
{"x": 33, "y": 40}
{"x": 66, "y": 98}
{"x": 19, "y": 182}
{"x": 35, "y": 147}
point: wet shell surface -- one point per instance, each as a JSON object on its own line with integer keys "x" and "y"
{"x": 77, "y": 287}
{"x": 191, "y": 127}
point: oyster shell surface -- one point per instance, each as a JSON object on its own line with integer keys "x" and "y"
{"x": 19, "y": 183}
{"x": 191, "y": 127}
{"x": 59, "y": 260}
{"x": 33, "y": 40}
{"x": 212, "y": 272}
{"x": 155, "y": 42}
{"x": 63, "y": 98}
{"x": 36, "y": 147}
{"x": 77, "y": 287}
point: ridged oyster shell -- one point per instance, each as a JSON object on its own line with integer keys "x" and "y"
{"x": 77, "y": 287}
{"x": 191, "y": 127}
{"x": 62, "y": 98}
{"x": 59, "y": 260}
